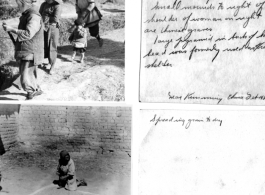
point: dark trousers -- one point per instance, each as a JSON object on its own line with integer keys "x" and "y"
{"x": 94, "y": 30}
{"x": 62, "y": 183}
{"x": 28, "y": 76}
{"x": 51, "y": 40}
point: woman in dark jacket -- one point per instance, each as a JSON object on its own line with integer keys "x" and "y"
{"x": 89, "y": 13}
{"x": 29, "y": 46}
{"x": 50, "y": 11}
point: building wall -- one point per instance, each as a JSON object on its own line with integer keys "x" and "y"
{"x": 8, "y": 126}
{"x": 94, "y": 130}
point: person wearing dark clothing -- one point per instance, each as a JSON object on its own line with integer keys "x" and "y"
{"x": 29, "y": 46}
{"x": 89, "y": 13}
{"x": 50, "y": 11}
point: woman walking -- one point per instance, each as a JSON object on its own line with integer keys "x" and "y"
{"x": 50, "y": 11}
{"x": 29, "y": 46}
{"x": 89, "y": 13}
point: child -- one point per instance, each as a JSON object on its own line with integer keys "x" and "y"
{"x": 88, "y": 11}
{"x": 78, "y": 38}
{"x": 66, "y": 172}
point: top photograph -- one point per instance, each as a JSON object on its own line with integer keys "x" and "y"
{"x": 62, "y": 50}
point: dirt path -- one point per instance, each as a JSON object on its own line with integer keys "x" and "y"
{"x": 28, "y": 170}
{"x": 34, "y": 181}
{"x": 99, "y": 78}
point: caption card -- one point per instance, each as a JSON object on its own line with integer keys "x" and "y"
{"x": 201, "y": 152}
{"x": 203, "y": 51}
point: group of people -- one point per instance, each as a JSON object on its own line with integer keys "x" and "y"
{"x": 66, "y": 173}
{"x": 38, "y": 36}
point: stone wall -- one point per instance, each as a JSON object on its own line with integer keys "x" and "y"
{"x": 8, "y": 126}
{"x": 93, "y": 130}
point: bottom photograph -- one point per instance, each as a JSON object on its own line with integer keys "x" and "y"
{"x": 65, "y": 150}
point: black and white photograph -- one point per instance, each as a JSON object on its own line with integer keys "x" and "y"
{"x": 65, "y": 150}
{"x": 62, "y": 50}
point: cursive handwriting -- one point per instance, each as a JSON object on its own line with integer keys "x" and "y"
{"x": 185, "y": 122}
{"x": 157, "y": 64}
{"x": 247, "y": 96}
{"x": 192, "y": 96}
{"x": 179, "y": 30}
{"x": 237, "y": 8}
{"x": 200, "y": 50}
{"x": 175, "y": 6}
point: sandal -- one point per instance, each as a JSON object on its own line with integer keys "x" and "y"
{"x": 33, "y": 94}
{"x": 82, "y": 182}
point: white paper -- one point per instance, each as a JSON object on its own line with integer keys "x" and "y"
{"x": 201, "y": 152}
{"x": 203, "y": 51}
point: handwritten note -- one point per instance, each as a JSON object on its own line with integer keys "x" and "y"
{"x": 220, "y": 152}
{"x": 184, "y": 122}
{"x": 203, "y": 51}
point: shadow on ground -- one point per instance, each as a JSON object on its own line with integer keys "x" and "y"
{"x": 3, "y": 93}
{"x": 33, "y": 170}
{"x": 8, "y": 73}
{"x": 112, "y": 52}
{"x": 114, "y": 10}
{"x": 99, "y": 78}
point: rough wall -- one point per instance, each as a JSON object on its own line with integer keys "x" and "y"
{"x": 94, "y": 130}
{"x": 8, "y": 126}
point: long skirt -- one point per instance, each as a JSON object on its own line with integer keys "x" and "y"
{"x": 51, "y": 40}
{"x": 28, "y": 77}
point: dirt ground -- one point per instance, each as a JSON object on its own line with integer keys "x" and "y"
{"x": 31, "y": 172}
{"x": 99, "y": 78}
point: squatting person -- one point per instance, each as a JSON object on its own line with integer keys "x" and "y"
{"x": 88, "y": 11}
{"x": 29, "y": 46}
{"x": 50, "y": 11}
{"x": 66, "y": 172}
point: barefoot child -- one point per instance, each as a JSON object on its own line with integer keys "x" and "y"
{"x": 66, "y": 172}
{"x": 78, "y": 38}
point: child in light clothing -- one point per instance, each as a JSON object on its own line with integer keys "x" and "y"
{"x": 66, "y": 172}
{"x": 78, "y": 39}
